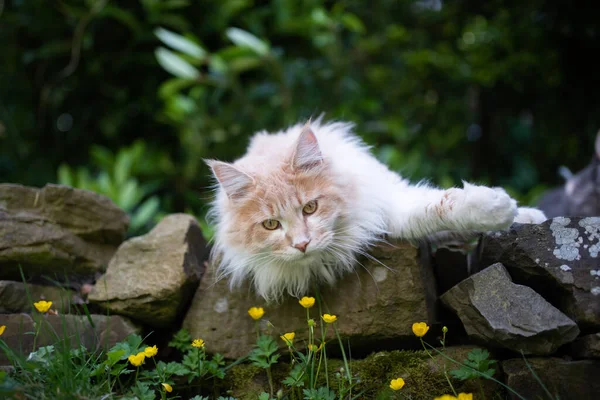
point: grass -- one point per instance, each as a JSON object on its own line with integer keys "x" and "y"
{"x": 66, "y": 369}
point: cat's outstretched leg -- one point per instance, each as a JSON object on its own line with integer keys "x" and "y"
{"x": 419, "y": 211}
{"x": 528, "y": 215}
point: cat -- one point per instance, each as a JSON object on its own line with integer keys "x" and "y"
{"x": 304, "y": 203}
{"x": 580, "y": 195}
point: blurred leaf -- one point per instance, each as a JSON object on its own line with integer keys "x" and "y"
{"x": 180, "y": 43}
{"x": 353, "y": 23}
{"x": 174, "y": 64}
{"x": 144, "y": 213}
{"x": 65, "y": 175}
{"x": 248, "y": 40}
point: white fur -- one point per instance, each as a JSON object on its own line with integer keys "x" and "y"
{"x": 382, "y": 202}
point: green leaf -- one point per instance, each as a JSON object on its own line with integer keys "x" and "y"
{"x": 144, "y": 213}
{"x": 353, "y": 23}
{"x": 115, "y": 356}
{"x": 182, "y": 340}
{"x": 181, "y": 43}
{"x": 175, "y": 65}
{"x": 175, "y": 368}
{"x": 246, "y": 39}
{"x": 65, "y": 175}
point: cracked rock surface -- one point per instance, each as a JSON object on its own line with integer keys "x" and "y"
{"x": 496, "y": 311}
{"x": 559, "y": 259}
{"x": 152, "y": 277}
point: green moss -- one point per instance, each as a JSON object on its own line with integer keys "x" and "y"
{"x": 424, "y": 377}
{"x": 247, "y": 381}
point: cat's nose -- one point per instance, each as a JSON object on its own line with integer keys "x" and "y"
{"x": 302, "y": 245}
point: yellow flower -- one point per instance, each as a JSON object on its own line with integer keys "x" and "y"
{"x": 329, "y": 318}
{"x": 420, "y": 329}
{"x": 168, "y": 388}
{"x": 288, "y": 338}
{"x": 307, "y": 302}
{"x": 465, "y": 396}
{"x": 2, "y": 329}
{"x": 199, "y": 343}
{"x": 445, "y": 397}
{"x": 397, "y": 384}
{"x": 256, "y": 313}
{"x": 150, "y": 351}
{"x": 43, "y": 306}
{"x": 137, "y": 360}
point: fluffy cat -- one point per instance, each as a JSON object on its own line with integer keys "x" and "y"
{"x": 304, "y": 203}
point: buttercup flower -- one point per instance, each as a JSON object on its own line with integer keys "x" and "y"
{"x": 42, "y": 306}
{"x": 328, "y": 318}
{"x": 307, "y": 302}
{"x": 150, "y": 351}
{"x": 168, "y": 388}
{"x": 465, "y": 396}
{"x": 2, "y": 329}
{"x": 256, "y": 313}
{"x": 199, "y": 343}
{"x": 288, "y": 338}
{"x": 420, "y": 329}
{"x": 397, "y": 384}
{"x": 137, "y": 360}
{"x": 445, "y": 397}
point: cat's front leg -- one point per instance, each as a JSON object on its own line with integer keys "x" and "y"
{"x": 479, "y": 208}
{"x": 420, "y": 211}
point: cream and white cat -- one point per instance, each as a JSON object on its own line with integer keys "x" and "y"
{"x": 304, "y": 203}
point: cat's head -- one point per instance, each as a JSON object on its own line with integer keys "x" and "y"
{"x": 284, "y": 207}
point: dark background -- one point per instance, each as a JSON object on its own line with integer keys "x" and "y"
{"x": 94, "y": 95}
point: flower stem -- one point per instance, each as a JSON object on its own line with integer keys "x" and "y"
{"x": 323, "y": 333}
{"x": 270, "y": 377}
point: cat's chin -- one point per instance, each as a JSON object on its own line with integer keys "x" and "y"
{"x": 299, "y": 257}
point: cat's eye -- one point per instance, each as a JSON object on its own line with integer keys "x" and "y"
{"x": 310, "y": 207}
{"x": 271, "y": 224}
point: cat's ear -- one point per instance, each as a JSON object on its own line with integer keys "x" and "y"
{"x": 232, "y": 180}
{"x": 307, "y": 154}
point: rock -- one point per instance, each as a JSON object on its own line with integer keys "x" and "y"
{"x": 57, "y": 231}
{"x": 576, "y": 380}
{"x": 152, "y": 277}
{"x": 558, "y": 259}
{"x": 76, "y": 330}
{"x": 373, "y": 306}
{"x": 500, "y": 313}
{"x": 587, "y": 346}
{"x": 14, "y": 297}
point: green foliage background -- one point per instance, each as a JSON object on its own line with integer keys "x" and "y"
{"x": 127, "y": 97}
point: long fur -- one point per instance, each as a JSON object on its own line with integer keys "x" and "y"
{"x": 360, "y": 201}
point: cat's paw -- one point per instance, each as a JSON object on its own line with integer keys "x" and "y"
{"x": 487, "y": 209}
{"x": 528, "y": 215}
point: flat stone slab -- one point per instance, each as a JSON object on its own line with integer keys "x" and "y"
{"x": 77, "y": 330}
{"x": 57, "y": 231}
{"x": 499, "y": 313}
{"x": 374, "y": 304}
{"x": 559, "y": 259}
{"x": 15, "y": 299}
{"x": 566, "y": 380}
{"x": 152, "y": 277}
